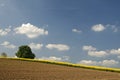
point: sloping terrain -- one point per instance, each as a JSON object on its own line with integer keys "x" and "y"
{"x": 26, "y": 70}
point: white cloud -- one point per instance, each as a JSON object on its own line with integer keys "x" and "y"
{"x": 54, "y": 58}
{"x": 97, "y": 53}
{"x": 92, "y": 51}
{"x": 59, "y": 47}
{"x": 88, "y": 62}
{"x": 35, "y": 46}
{"x": 98, "y": 28}
{"x": 30, "y": 30}
{"x": 106, "y": 63}
{"x": 76, "y": 30}
{"x": 89, "y": 48}
{"x": 51, "y": 58}
{"x": 5, "y": 31}
{"x": 115, "y": 51}
{"x": 8, "y": 45}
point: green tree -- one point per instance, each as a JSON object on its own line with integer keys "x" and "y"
{"x": 4, "y": 55}
{"x": 25, "y": 52}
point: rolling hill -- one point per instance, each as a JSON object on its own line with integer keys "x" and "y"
{"x": 11, "y": 69}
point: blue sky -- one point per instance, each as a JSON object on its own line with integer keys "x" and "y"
{"x": 78, "y": 31}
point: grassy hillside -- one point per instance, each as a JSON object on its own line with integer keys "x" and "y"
{"x": 22, "y": 69}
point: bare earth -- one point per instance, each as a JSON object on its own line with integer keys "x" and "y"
{"x": 25, "y": 70}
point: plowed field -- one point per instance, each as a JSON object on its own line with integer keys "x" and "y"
{"x": 26, "y": 70}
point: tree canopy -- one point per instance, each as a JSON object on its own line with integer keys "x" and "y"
{"x": 25, "y": 51}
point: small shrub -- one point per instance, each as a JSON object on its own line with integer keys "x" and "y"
{"x": 3, "y": 55}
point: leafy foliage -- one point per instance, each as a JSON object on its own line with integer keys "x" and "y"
{"x": 25, "y": 52}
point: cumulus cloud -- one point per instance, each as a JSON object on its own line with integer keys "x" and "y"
{"x": 97, "y": 53}
{"x": 30, "y": 30}
{"x": 115, "y": 51}
{"x": 109, "y": 63}
{"x": 88, "y": 48}
{"x": 101, "y": 27}
{"x": 76, "y": 31}
{"x": 54, "y": 58}
{"x": 8, "y": 45}
{"x": 88, "y": 62}
{"x": 92, "y": 51}
{"x": 51, "y": 58}
{"x": 98, "y": 28}
{"x": 35, "y": 46}
{"x": 5, "y": 31}
{"x": 59, "y": 47}
{"x": 106, "y": 63}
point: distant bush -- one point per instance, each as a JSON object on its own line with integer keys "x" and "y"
{"x": 25, "y": 52}
{"x": 3, "y": 55}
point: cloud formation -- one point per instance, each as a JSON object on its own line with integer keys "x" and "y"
{"x": 98, "y": 28}
{"x": 101, "y": 27}
{"x": 30, "y": 30}
{"x": 88, "y": 62}
{"x": 59, "y": 47}
{"x": 35, "y": 46}
{"x": 115, "y": 51}
{"x": 92, "y": 51}
{"x": 76, "y": 31}
{"x": 5, "y": 31}
{"x": 106, "y": 63}
{"x": 89, "y": 48}
{"x": 109, "y": 63}
{"x": 54, "y": 58}
{"x": 8, "y": 45}
{"x": 97, "y": 53}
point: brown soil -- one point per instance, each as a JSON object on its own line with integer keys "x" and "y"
{"x": 25, "y": 70}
